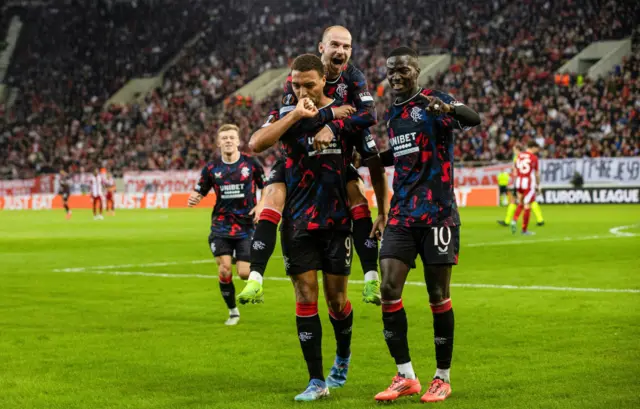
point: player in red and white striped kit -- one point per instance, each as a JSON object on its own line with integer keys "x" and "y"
{"x": 527, "y": 185}
{"x": 110, "y": 187}
{"x": 96, "y": 194}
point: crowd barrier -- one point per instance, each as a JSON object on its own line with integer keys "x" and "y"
{"x": 605, "y": 195}
{"x": 615, "y": 179}
{"x": 466, "y": 197}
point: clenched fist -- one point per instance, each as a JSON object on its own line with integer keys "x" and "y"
{"x": 306, "y": 108}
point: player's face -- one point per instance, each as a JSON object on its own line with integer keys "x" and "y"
{"x": 229, "y": 142}
{"x": 308, "y": 84}
{"x": 402, "y": 74}
{"x": 336, "y": 50}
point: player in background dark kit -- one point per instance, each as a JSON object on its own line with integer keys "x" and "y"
{"x": 423, "y": 218}
{"x": 316, "y": 221}
{"x": 65, "y": 191}
{"x": 235, "y": 178}
{"x": 347, "y": 85}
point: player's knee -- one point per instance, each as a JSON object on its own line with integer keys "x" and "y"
{"x": 224, "y": 269}
{"x": 390, "y": 290}
{"x": 437, "y": 294}
{"x": 275, "y": 196}
{"x": 306, "y": 293}
{"x": 438, "y": 278}
{"x": 243, "y": 269}
{"x": 390, "y": 287}
{"x": 307, "y": 297}
{"x": 337, "y": 303}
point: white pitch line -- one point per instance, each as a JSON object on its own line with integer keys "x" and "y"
{"x": 553, "y": 239}
{"x": 618, "y": 233}
{"x": 411, "y": 283}
{"x": 615, "y": 231}
{"x": 158, "y": 264}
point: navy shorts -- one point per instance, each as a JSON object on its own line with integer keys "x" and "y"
{"x": 435, "y": 245}
{"x": 328, "y": 250}
{"x": 225, "y": 246}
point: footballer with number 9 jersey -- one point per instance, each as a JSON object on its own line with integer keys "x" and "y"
{"x": 423, "y": 218}
{"x": 347, "y": 85}
{"x": 316, "y": 222}
{"x": 235, "y": 178}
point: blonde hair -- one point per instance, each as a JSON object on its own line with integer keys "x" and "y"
{"x": 228, "y": 127}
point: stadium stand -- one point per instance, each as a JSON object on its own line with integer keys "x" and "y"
{"x": 69, "y": 60}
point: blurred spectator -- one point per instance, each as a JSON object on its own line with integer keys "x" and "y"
{"x": 73, "y": 57}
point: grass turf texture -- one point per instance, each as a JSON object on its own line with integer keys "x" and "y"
{"x": 86, "y": 340}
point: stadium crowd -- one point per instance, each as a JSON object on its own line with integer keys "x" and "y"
{"x": 68, "y": 62}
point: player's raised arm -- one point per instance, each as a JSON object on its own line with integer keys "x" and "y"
{"x": 275, "y": 128}
{"x": 441, "y": 103}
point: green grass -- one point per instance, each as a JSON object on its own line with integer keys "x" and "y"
{"x": 86, "y": 340}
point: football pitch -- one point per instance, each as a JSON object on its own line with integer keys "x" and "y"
{"x": 126, "y": 313}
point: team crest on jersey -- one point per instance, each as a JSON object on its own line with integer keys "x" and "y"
{"x": 218, "y": 175}
{"x": 245, "y": 172}
{"x": 416, "y": 114}
{"x": 287, "y": 99}
{"x": 341, "y": 90}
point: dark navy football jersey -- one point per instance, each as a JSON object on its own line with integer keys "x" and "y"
{"x": 316, "y": 180}
{"x": 421, "y": 150}
{"x": 65, "y": 185}
{"x": 349, "y": 88}
{"x": 235, "y": 185}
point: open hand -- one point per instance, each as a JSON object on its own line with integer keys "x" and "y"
{"x": 378, "y": 226}
{"x": 255, "y": 212}
{"x": 343, "y": 111}
{"x": 194, "y": 199}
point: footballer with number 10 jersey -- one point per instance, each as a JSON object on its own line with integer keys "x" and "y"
{"x": 422, "y": 155}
